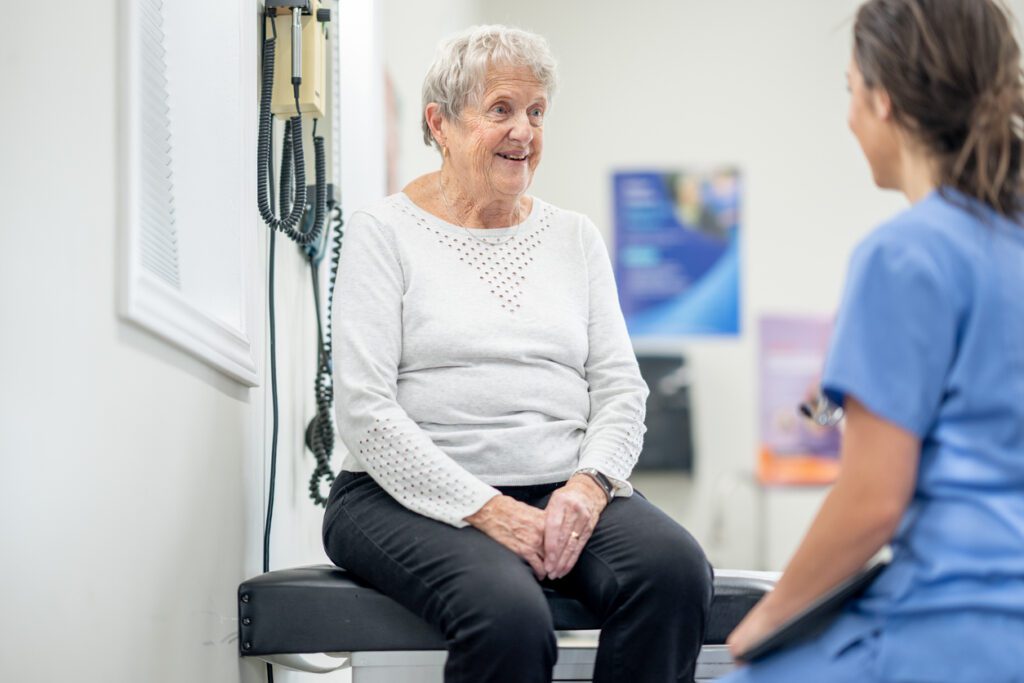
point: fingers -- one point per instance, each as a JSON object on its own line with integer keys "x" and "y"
{"x": 736, "y": 648}
{"x": 561, "y": 565}
{"x": 743, "y": 636}
{"x": 536, "y": 564}
{"x": 569, "y": 524}
{"x": 554, "y": 558}
{"x": 555, "y": 532}
{"x": 571, "y": 553}
{"x": 530, "y": 548}
{"x": 560, "y": 524}
{"x": 549, "y": 541}
{"x": 530, "y": 534}
{"x": 562, "y": 518}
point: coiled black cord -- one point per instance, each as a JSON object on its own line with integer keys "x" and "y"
{"x": 285, "y": 186}
{"x": 320, "y": 432}
{"x": 320, "y": 200}
{"x": 291, "y": 159}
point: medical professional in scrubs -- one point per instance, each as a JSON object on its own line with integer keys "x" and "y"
{"x": 928, "y": 360}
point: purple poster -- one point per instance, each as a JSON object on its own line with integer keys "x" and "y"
{"x": 794, "y": 450}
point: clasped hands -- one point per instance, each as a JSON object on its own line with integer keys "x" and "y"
{"x": 549, "y": 540}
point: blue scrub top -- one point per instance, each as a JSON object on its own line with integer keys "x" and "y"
{"x": 930, "y": 336}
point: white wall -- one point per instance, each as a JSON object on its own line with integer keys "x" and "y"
{"x": 411, "y": 32}
{"x": 132, "y": 485}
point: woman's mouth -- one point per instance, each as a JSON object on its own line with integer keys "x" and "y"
{"x": 513, "y": 157}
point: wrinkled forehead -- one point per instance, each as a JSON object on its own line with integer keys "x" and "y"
{"x": 517, "y": 79}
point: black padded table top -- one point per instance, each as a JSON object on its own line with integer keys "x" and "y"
{"x": 325, "y": 609}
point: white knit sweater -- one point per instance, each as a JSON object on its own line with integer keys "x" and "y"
{"x": 468, "y": 359}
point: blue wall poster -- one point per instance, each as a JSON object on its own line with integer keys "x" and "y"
{"x": 677, "y": 251}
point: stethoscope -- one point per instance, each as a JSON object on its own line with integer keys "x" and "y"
{"x": 822, "y": 411}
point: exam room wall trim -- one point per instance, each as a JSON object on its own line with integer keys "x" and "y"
{"x": 154, "y": 288}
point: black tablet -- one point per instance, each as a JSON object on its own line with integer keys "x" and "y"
{"x": 819, "y": 613}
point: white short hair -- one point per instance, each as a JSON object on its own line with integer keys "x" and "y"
{"x": 459, "y": 71}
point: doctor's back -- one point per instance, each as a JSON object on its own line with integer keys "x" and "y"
{"x": 931, "y": 334}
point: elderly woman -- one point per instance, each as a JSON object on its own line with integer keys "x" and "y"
{"x": 491, "y": 402}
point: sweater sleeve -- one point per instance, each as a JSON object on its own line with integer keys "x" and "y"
{"x": 367, "y": 351}
{"x": 618, "y": 394}
{"x": 896, "y": 335}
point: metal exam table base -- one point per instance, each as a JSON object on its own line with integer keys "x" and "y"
{"x": 320, "y": 619}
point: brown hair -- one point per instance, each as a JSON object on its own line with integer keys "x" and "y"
{"x": 952, "y": 71}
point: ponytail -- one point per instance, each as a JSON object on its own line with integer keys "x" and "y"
{"x": 988, "y": 165}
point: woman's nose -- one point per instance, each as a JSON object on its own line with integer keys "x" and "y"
{"x": 522, "y": 131}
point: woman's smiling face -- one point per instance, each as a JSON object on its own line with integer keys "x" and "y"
{"x": 495, "y": 145}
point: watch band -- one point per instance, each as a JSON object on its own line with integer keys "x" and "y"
{"x": 600, "y": 480}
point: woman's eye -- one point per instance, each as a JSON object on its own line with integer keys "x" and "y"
{"x": 537, "y": 113}
{"x": 500, "y": 109}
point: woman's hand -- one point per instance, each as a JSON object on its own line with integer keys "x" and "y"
{"x": 571, "y": 516}
{"x": 517, "y": 526}
{"x": 758, "y": 623}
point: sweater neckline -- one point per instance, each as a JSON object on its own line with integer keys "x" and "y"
{"x": 523, "y": 227}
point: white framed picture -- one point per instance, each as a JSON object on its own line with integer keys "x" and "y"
{"x": 187, "y": 178}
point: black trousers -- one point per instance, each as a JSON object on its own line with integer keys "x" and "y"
{"x": 640, "y": 572}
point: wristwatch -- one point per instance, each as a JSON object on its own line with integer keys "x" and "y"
{"x": 601, "y": 480}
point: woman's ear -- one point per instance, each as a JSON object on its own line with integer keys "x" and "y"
{"x": 881, "y": 104}
{"x": 436, "y": 122}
